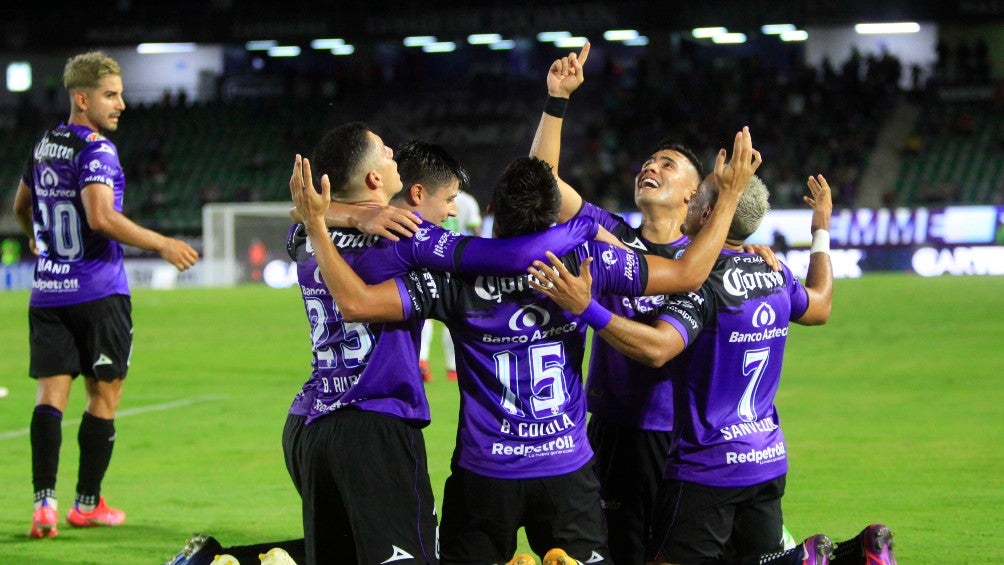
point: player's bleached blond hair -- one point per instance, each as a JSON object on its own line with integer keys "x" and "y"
{"x": 87, "y": 69}
{"x": 753, "y": 206}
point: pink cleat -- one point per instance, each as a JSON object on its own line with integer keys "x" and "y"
{"x": 102, "y": 515}
{"x": 44, "y": 520}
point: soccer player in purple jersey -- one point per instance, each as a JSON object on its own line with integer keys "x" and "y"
{"x": 69, "y": 204}
{"x": 521, "y": 456}
{"x": 721, "y": 501}
{"x": 631, "y": 420}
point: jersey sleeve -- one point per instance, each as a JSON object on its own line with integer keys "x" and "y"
{"x": 615, "y": 270}
{"x": 99, "y": 164}
{"x": 429, "y": 294}
{"x": 799, "y": 296}
{"x": 611, "y": 222}
{"x": 512, "y": 255}
{"x": 687, "y": 312}
{"x": 435, "y": 248}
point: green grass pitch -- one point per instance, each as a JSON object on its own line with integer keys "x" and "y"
{"x": 894, "y": 412}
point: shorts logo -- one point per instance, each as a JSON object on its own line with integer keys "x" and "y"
{"x": 102, "y": 360}
{"x": 398, "y": 555}
{"x": 595, "y": 558}
{"x": 529, "y": 316}
{"x": 763, "y": 316}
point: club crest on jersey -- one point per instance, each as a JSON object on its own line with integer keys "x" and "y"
{"x": 527, "y": 317}
{"x": 422, "y": 234}
{"x": 763, "y": 316}
{"x": 609, "y": 257}
{"x": 95, "y": 136}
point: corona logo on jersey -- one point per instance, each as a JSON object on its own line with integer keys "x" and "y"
{"x": 740, "y": 283}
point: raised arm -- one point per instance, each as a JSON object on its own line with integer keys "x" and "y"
{"x": 385, "y": 221}
{"x": 651, "y": 345}
{"x": 688, "y": 273}
{"x": 819, "y": 279}
{"x": 356, "y": 300}
{"x": 563, "y": 77}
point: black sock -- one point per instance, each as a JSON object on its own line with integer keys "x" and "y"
{"x": 46, "y": 438}
{"x": 249, "y": 553}
{"x": 96, "y": 438}
{"x": 791, "y": 556}
{"x": 849, "y": 552}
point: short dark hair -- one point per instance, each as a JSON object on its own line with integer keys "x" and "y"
{"x": 668, "y": 144}
{"x": 339, "y": 153}
{"x": 526, "y": 198}
{"x": 429, "y": 164}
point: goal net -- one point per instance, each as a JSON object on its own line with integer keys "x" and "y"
{"x": 245, "y": 242}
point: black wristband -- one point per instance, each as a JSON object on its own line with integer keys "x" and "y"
{"x": 556, "y": 106}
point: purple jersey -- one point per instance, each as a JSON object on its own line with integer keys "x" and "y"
{"x": 619, "y": 389}
{"x": 358, "y": 364}
{"x": 728, "y": 432}
{"x": 519, "y": 363}
{"x": 75, "y": 263}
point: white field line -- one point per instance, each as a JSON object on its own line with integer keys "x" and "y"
{"x": 127, "y": 412}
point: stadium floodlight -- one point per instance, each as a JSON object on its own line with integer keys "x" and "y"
{"x": 439, "y": 47}
{"x": 343, "y": 50}
{"x": 419, "y": 40}
{"x": 284, "y": 51}
{"x": 503, "y": 45}
{"x": 330, "y": 43}
{"x": 639, "y": 41}
{"x": 568, "y": 42}
{"x": 706, "y": 32}
{"x": 260, "y": 44}
{"x": 777, "y": 29}
{"x": 18, "y": 76}
{"x": 794, "y": 35}
{"x": 163, "y": 48}
{"x": 548, "y": 36}
{"x": 729, "y": 38}
{"x": 483, "y": 38}
{"x": 892, "y": 27}
{"x": 620, "y": 34}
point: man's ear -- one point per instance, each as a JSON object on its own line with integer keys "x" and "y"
{"x": 416, "y": 193}
{"x": 373, "y": 180}
{"x": 80, "y": 99}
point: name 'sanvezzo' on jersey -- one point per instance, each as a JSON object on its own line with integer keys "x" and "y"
{"x": 757, "y": 456}
{"x": 747, "y": 428}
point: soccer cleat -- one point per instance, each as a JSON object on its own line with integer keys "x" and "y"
{"x": 817, "y": 550}
{"x": 423, "y": 367}
{"x": 558, "y": 557}
{"x": 276, "y": 556}
{"x": 225, "y": 559}
{"x": 102, "y": 515}
{"x": 522, "y": 559}
{"x": 44, "y": 520}
{"x": 451, "y": 375}
{"x": 199, "y": 550}
{"x": 877, "y": 543}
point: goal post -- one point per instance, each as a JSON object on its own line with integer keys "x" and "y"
{"x": 241, "y": 239}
